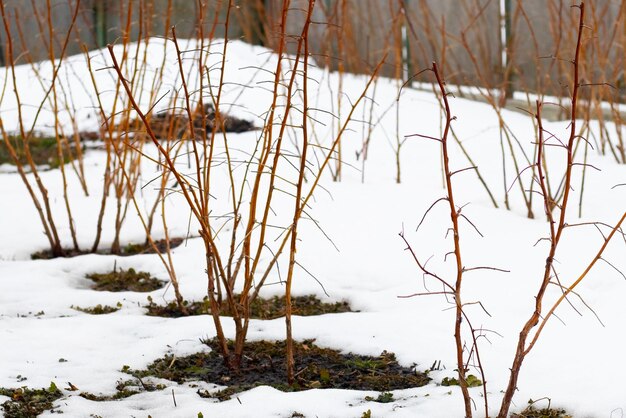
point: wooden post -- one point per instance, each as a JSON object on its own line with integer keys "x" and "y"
{"x": 2, "y": 60}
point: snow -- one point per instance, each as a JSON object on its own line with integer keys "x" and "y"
{"x": 578, "y": 365}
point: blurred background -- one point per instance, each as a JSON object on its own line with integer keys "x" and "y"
{"x": 524, "y": 45}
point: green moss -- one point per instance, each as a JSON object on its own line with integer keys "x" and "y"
{"x": 385, "y": 397}
{"x": 29, "y": 403}
{"x": 300, "y": 305}
{"x": 43, "y": 150}
{"x": 472, "y": 381}
{"x": 125, "y": 280}
{"x": 260, "y": 308}
{"x": 98, "y": 309}
{"x": 367, "y": 363}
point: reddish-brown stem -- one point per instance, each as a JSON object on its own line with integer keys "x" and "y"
{"x": 454, "y": 217}
{"x": 298, "y": 201}
{"x": 556, "y": 231}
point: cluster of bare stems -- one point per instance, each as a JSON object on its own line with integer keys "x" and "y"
{"x": 237, "y": 272}
{"x": 182, "y": 150}
{"x": 468, "y": 354}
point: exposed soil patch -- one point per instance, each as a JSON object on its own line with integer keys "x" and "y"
{"x": 260, "y": 308}
{"x": 98, "y": 309}
{"x": 47, "y": 254}
{"x": 264, "y": 364}
{"x": 146, "y": 248}
{"x": 127, "y": 250}
{"x": 29, "y": 403}
{"x": 87, "y": 136}
{"x": 168, "y": 124}
{"x": 43, "y": 150}
{"x": 125, "y": 280}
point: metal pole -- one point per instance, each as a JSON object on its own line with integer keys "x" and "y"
{"x": 508, "y": 29}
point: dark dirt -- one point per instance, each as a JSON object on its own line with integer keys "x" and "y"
{"x": 29, "y": 403}
{"x": 168, "y": 124}
{"x": 146, "y": 248}
{"x": 87, "y": 136}
{"x": 264, "y": 364}
{"x": 43, "y": 150}
{"x": 260, "y": 308}
{"x": 128, "y": 250}
{"x": 125, "y": 280}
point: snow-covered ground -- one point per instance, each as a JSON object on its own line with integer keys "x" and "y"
{"x": 578, "y": 362}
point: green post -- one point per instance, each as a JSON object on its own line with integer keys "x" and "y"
{"x": 99, "y": 12}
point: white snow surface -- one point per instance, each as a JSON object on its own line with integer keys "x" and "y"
{"x": 578, "y": 362}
